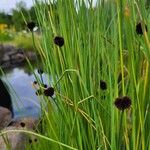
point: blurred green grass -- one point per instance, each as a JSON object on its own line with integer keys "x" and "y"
{"x": 19, "y": 39}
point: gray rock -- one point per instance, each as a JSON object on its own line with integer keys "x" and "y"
{"x": 26, "y": 122}
{"x": 18, "y": 140}
{"x": 13, "y": 140}
{"x": 5, "y": 117}
{"x": 11, "y": 56}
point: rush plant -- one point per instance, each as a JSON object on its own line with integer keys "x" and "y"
{"x": 94, "y": 56}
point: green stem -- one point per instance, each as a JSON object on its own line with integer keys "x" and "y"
{"x": 119, "y": 11}
{"x": 34, "y": 45}
{"x": 120, "y": 130}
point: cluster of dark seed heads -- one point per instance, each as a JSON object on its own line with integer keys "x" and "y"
{"x": 123, "y": 103}
{"x": 35, "y": 83}
{"x": 49, "y": 91}
{"x": 58, "y": 40}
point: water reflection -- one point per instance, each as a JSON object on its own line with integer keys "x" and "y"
{"x": 24, "y": 99}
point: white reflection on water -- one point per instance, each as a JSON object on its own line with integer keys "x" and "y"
{"x": 26, "y": 102}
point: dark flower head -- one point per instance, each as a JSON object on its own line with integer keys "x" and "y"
{"x": 31, "y": 25}
{"x": 22, "y": 124}
{"x": 122, "y": 103}
{"x": 103, "y": 85}
{"x": 118, "y": 103}
{"x": 126, "y": 102}
{"x": 59, "y": 41}
{"x": 139, "y": 28}
{"x": 49, "y": 91}
{"x": 40, "y": 71}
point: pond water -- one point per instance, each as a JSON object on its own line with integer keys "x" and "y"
{"x": 24, "y": 100}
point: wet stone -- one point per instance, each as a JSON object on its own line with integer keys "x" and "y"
{"x": 5, "y": 117}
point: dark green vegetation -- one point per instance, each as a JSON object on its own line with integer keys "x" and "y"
{"x": 20, "y": 16}
{"x": 98, "y": 92}
{"x": 16, "y": 19}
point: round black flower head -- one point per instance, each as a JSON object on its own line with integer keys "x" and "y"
{"x": 59, "y": 41}
{"x": 31, "y": 25}
{"x": 103, "y": 85}
{"x": 40, "y": 71}
{"x": 122, "y": 103}
{"x": 139, "y": 28}
{"x": 49, "y": 91}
